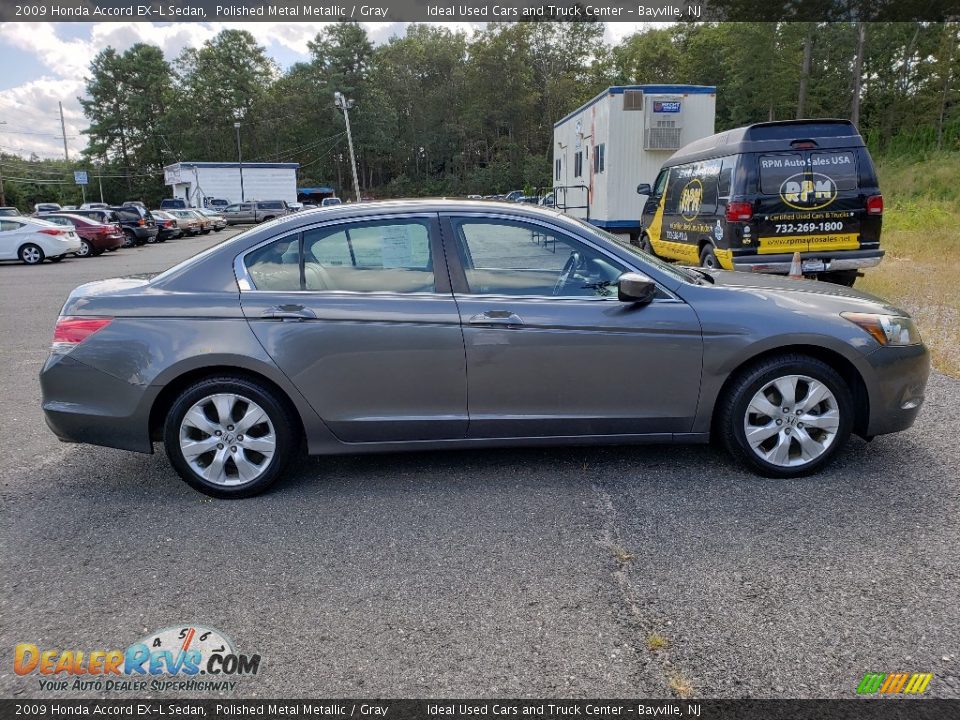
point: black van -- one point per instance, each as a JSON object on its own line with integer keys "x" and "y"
{"x": 749, "y": 198}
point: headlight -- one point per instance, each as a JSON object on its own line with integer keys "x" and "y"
{"x": 886, "y": 329}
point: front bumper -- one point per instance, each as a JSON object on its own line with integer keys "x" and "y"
{"x": 833, "y": 261}
{"x": 897, "y": 387}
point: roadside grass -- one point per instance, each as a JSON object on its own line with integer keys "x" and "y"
{"x": 921, "y": 234}
{"x": 656, "y": 641}
{"x": 680, "y": 686}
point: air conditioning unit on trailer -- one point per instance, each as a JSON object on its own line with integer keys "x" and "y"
{"x": 663, "y": 126}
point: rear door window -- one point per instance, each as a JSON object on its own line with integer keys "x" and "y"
{"x": 839, "y": 166}
{"x": 777, "y": 169}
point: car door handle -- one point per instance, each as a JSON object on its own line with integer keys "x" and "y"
{"x": 289, "y": 312}
{"x": 497, "y": 317}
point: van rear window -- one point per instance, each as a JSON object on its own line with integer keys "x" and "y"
{"x": 775, "y": 169}
{"x": 840, "y": 166}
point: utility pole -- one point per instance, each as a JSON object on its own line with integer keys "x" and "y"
{"x": 341, "y": 102}
{"x": 236, "y": 127}
{"x": 63, "y": 127}
{"x": 3, "y": 195}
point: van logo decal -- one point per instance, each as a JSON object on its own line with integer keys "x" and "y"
{"x": 808, "y": 191}
{"x": 690, "y": 198}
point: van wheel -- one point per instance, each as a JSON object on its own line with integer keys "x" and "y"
{"x": 840, "y": 277}
{"x": 708, "y": 259}
{"x": 785, "y": 416}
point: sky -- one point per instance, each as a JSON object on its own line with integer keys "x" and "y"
{"x": 44, "y": 64}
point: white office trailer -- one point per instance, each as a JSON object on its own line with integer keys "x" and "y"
{"x": 198, "y": 182}
{"x": 605, "y": 148}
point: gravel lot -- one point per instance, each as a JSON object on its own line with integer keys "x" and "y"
{"x": 494, "y": 573}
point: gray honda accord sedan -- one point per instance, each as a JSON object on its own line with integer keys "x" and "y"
{"x": 444, "y": 324}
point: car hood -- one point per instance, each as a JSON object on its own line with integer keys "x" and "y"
{"x": 781, "y": 286}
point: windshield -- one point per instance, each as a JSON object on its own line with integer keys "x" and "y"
{"x": 674, "y": 271}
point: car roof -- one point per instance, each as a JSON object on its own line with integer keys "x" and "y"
{"x": 774, "y": 136}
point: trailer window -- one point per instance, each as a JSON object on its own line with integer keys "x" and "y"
{"x": 598, "y": 157}
{"x": 578, "y": 164}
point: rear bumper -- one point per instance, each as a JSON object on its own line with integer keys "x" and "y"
{"x": 144, "y": 233}
{"x": 107, "y": 243}
{"x": 82, "y": 404}
{"x": 833, "y": 261}
{"x": 897, "y": 387}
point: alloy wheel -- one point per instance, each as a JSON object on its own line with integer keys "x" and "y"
{"x": 791, "y": 421}
{"x": 227, "y": 439}
{"x": 31, "y": 255}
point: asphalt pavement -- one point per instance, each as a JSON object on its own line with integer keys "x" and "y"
{"x": 578, "y": 572}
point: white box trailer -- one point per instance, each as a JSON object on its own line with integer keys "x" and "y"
{"x": 605, "y": 148}
{"x": 198, "y": 182}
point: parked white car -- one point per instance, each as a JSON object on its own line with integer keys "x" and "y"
{"x": 32, "y": 241}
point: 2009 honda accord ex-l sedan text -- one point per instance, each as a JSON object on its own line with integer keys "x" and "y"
{"x": 441, "y": 324}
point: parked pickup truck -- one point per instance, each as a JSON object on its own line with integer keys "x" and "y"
{"x": 256, "y": 211}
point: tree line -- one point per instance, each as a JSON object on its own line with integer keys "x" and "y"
{"x": 438, "y": 112}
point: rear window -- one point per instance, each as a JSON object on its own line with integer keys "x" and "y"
{"x": 776, "y": 169}
{"x": 127, "y": 215}
{"x": 271, "y": 205}
{"x": 839, "y": 165}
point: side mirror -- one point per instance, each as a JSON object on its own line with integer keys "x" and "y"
{"x": 635, "y": 288}
{"x": 644, "y": 189}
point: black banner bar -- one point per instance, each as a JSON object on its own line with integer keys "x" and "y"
{"x": 876, "y": 708}
{"x": 482, "y": 11}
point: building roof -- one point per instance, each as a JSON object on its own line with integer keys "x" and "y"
{"x": 653, "y": 89}
{"x": 252, "y": 165}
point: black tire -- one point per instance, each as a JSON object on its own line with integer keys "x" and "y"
{"x": 129, "y": 239}
{"x": 86, "y": 249}
{"x": 31, "y": 254}
{"x": 96, "y": 253}
{"x": 56, "y": 259}
{"x": 841, "y": 277}
{"x": 732, "y": 410}
{"x": 646, "y": 245}
{"x": 708, "y": 259}
{"x": 285, "y": 430}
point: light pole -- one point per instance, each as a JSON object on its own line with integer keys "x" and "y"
{"x": 236, "y": 127}
{"x": 344, "y": 104}
{"x": 3, "y": 195}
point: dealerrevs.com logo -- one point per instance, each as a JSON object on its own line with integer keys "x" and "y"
{"x": 188, "y": 658}
{"x": 894, "y": 683}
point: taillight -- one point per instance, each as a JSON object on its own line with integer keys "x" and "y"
{"x": 71, "y": 331}
{"x": 141, "y": 222}
{"x": 53, "y": 231}
{"x": 739, "y": 211}
{"x": 875, "y": 205}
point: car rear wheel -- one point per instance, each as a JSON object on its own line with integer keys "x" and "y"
{"x": 56, "y": 259}
{"x": 86, "y": 249}
{"x": 31, "y": 254}
{"x": 786, "y": 416}
{"x": 229, "y": 437}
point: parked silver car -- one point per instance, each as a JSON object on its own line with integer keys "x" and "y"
{"x": 439, "y": 324}
{"x": 254, "y": 212}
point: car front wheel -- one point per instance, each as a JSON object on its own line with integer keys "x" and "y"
{"x": 86, "y": 250}
{"x": 229, "y": 437}
{"x": 786, "y": 416}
